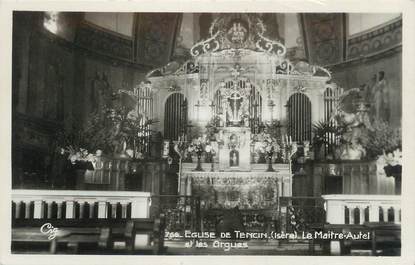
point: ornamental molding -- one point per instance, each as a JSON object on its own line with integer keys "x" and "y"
{"x": 239, "y": 39}
{"x": 238, "y": 31}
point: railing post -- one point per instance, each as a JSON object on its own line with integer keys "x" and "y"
{"x": 385, "y": 214}
{"x": 373, "y": 213}
{"x": 18, "y": 207}
{"x": 38, "y": 209}
{"x": 351, "y": 215}
{"x": 335, "y": 212}
{"x": 396, "y": 211}
{"x": 70, "y": 209}
{"x": 81, "y": 209}
{"x": 102, "y": 209}
{"x": 49, "y": 207}
{"x": 27, "y": 210}
{"x": 113, "y": 206}
{"x": 124, "y": 210}
{"x": 362, "y": 214}
{"x": 59, "y": 214}
{"x": 140, "y": 208}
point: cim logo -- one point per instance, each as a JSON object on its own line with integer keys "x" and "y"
{"x": 49, "y": 230}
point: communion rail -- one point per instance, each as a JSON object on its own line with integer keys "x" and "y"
{"x": 181, "y": 212}
{"x": 358, "y": 209}
{"x": 377, "y": 215}
{"x": 74, "y": 204}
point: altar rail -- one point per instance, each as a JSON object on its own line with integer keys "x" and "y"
{"x": 181, "y": 212}
{"x": 71, "y": 204}
{"x": 358, "y": 209}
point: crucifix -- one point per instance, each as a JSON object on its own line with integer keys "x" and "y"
{"x": 234, "y": 99}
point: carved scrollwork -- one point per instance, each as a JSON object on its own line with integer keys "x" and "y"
{"x": 205, "y": 46}
{"x": 266, "y": 45}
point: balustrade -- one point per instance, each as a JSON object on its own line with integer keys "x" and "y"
{"x": 70, "y": 204}
{"x": 357, "y": 209}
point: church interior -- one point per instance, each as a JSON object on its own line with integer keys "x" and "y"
{"x": 206, "y": 133}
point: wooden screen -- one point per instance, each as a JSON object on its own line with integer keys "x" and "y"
{"x": 299, "y": 117}
{"x": 175, "y": 116}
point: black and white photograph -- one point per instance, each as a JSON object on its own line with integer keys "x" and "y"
{"x": 206, "y": 133}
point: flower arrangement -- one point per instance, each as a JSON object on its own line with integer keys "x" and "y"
{"x": 81, "y": 159}
{"x": 384, "y": 139}
{"x": 116, "y": 129}
{"x": 264, "y": 145}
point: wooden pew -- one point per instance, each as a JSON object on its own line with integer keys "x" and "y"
{"x": 92, "y": 236}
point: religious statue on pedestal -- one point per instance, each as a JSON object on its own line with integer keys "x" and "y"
{"x": 234, "y": 158}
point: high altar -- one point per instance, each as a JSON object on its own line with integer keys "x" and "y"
{"x": 237, "y": 81}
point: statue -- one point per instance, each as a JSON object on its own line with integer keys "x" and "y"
{"x": 237, "y": 33}
{"x": 380, "y": 96}
{"x": 100, "y": 91}
{"x": 233, "y": 158}
{"x": 356, "y": 127}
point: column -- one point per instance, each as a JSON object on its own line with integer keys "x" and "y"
{"x": 59, "y": 214}
{"x": 396, "y": 211}
{"x": 140, "y": 207}
{"x": 351, "y": 214}
{"x": 39, "y": 210}
{"x": 18, "y": 207}
{"x": 70, "y": 210}
{"x": 102, "y": 209}
{"x": 124, "y": 210}
{"x": 279, "y": 183}
{"x": 189, "y": 186}
{"x": 385, "y": 214}
{"x": 335, "y": 212}
{"x": 27, "y": 210}
{"x": 373, "y": 213}
{"x": 113, "y": 210}
{"x": 49, "y": 205}
{"x": 183, "y": 185}
{"x": 81, "y": 209}
{"x": 362, "y": 214}
{"x": 287, "y": 187}
{"x": 91, "y": 209}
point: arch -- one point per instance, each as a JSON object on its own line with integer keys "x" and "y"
{"x": 299, "y": 117}
{"x": 175, "y": 116}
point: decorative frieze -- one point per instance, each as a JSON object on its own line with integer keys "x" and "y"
{"x": 377, "y": 40}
